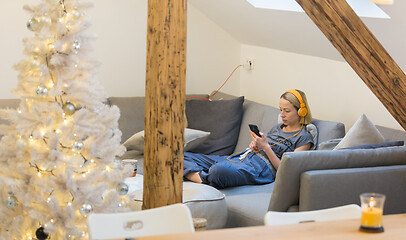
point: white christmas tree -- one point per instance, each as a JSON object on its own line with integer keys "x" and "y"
{"x": 57, "y": 155}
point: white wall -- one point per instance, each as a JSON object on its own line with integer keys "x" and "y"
{"x": 212, "y": 54}
{"x": 335, "y": 92}
{"x": 12, "y": 28}
{"x": 333, "y": 89}
{"x": 120, "y": 26}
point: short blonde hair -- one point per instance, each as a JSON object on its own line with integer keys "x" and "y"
{"x": 295, "y": 102}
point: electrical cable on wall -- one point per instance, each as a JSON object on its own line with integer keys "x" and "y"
{"x": 215, "y": 92}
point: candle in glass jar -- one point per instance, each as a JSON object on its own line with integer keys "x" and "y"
{"x": 372, "y": 211}
{"x": 371, "y": 217}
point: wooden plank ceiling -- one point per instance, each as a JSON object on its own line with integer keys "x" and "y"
{"x": 363, "y": 52}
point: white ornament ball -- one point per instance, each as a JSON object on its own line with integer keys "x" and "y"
{"x": 75, "y": 14}
{"x": 35, "y": 64}
{"x": 21, "y": 144}
{"x": 11, "y": 202}
{"x": 76, "y": 46}
{"x": 122, "y": 188}
{"x": 41, "y": 90}
{"x": 86, "y": 209}
{"x": 111, "y": 131}
{"x": 68, "y": 108}
{"x": 77, "y": 146}
{"x": 33, "y": 24}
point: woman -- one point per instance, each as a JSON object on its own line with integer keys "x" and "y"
{"x": 258, "y": 164}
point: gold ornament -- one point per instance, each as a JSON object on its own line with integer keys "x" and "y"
{"x": 68, "y": 108}
{"x": 33, "y": 24}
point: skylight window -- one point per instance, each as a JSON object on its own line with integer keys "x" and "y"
{"x": 363, "y": 8}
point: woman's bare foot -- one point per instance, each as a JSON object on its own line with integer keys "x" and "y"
{"x": 194, "y": 177}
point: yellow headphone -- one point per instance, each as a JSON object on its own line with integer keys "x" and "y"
{"x": 302, "y": 110}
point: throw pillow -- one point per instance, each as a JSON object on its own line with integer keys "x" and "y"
{"x": 329, "y": 144}
{"x": 378, "y": 145}
{"x": 312, "y": 129}
{"x": 222, "y": 118}
{"x": 192, "y": 137}
{"x": 135, "y": 142}
{"x": 362, "y": 132}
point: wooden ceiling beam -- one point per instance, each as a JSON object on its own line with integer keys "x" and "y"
{"x": 363, "y": 52}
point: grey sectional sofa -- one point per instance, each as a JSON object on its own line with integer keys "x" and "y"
{"x": 318, "y": 179}
{"x": 305, "y": 180}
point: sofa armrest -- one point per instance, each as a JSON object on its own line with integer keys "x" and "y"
{"x": 321, "y": 189}
{"x": 293, "y": 164}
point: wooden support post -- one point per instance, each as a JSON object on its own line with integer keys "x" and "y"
{"x": 359, "y": 47}
{"x": 164, "y": 103}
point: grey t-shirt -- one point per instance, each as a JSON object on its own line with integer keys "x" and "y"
{"x": 276, "y": 134}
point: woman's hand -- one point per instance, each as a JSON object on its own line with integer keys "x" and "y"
{"x": 253, "y": 146}
{"x": 258, "y": 143}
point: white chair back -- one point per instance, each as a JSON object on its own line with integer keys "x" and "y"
{"x": 351, "y": 211}
{"x": 170, "y": 219}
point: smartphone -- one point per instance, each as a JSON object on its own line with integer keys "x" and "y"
{"x": 254, "y": 128}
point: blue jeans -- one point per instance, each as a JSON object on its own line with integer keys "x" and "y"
{"x": 218, "y": 171}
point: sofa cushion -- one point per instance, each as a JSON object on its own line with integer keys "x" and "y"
{"x": 293, "y": 164}
{"x": 192, "y": 137}
{"x": 222, "y": 118}
{"x": 329, "y": 129}
{"x": 265, "y": 117}
{"x": 362, "y": 132}
{"x": 391, "y": 134}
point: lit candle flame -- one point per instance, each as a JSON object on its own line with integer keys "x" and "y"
{"x": 372, "y": 202}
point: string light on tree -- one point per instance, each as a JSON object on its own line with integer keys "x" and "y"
{"x": 45, "y": 20}
{"x": 21, "y": 143}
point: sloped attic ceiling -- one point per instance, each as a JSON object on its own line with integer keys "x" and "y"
{"x": 295, "y": 32}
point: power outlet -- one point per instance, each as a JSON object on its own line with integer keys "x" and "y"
{"x": 249, "y": 64}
